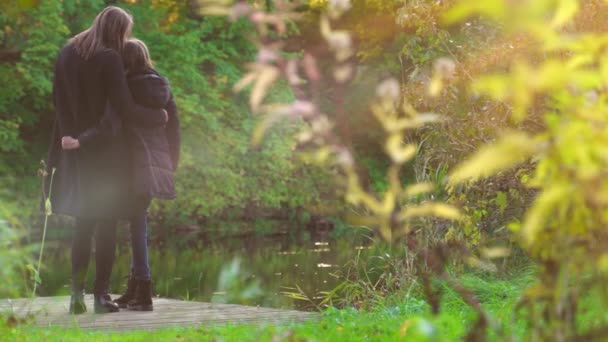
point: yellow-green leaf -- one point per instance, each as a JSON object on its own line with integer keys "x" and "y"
{"x": 245, "y": 81}
{"x": 399, "y": 152}
{"x": 430, "y": 209}
{"x": 507, "y": 152}
{"x": 215, "y": 11}
{"x": 260, "y": 129}
{"x": 495, "y": 252}
{"x": 264, "y": 80}
{"x": 566, "y": 9}
{"x": 540, "y": 212}
{"x": 435, "y": 86}
{"x": 419, "y": 188}
{"x": 464, "y": 9}
{"x": 47, "y": 207}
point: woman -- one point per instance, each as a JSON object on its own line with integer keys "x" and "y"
{"x": 154, "y": 155}
{"x": 91, "y": 181}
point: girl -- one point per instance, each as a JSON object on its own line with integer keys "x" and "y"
{"x": 154, "y": 156}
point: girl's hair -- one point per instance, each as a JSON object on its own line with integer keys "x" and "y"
{"x": 136, "y": 55}
{"x": 109, "y": 30}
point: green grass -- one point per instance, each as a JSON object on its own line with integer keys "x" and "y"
{"x": 399, "y": 318}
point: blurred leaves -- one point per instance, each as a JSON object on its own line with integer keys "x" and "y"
{"x": 262, "y": 77}
{"x": 14, "y": 259}
{"x": 508, "y": 151}
{"x": 561, "y": 77}
{"x": 530, "y": 16}
{"x": 431, "y": 209}
{"x": 399, "y": 152}
{"x": 322, "y": 140}
{"x": 540, "y": 213}
{"x": 236, "y": 286}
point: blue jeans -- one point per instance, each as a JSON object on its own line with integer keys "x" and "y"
{"x": 140, "y": 267}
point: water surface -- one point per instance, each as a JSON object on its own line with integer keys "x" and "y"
{"x": 252, "y": 269}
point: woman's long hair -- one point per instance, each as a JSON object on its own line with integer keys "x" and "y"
{"x": 110, "y": 30}
{"x": 136, "y": 55}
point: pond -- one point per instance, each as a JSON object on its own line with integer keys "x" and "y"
{"x": 253, "y": 269}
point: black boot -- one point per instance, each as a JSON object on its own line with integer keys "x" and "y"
{"x": 143, "y": 297}
{"x": 129, "y": 295}
{"x": 77, "y": 305}
{"x": 104, "y": 304}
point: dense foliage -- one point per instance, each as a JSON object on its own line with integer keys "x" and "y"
{"x": 564, "y": 228}
{"x": 555, "y": 122}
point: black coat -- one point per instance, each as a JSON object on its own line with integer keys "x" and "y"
{"x": 154, "y": 151}
{"x": 94, "y": 180}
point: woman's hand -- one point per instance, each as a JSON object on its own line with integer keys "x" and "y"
{"x": 69, "y": 143}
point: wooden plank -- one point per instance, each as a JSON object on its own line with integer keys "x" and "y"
{"x": 163, "y": 317}
{"x": 181, "y": 325}
{"x": 53, "y": 311}
{"x": 140, "y": 317}
{"x": 165, "y": 324}
{"x": 182, "y": 311}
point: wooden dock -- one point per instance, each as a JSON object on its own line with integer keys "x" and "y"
{"x": 53, "y": 311}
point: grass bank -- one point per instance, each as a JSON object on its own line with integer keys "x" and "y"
{"x": 399, "y": 317}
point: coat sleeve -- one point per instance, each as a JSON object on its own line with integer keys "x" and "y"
{"x": 120, "y": 97}
{"x": 106, "y": 128}
{"x": 173, "y": 132}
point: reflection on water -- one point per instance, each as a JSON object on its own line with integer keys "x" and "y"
{"x": 254, "y": 270}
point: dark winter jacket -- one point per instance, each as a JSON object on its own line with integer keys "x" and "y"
{"x": 92, "y": 181}
{"x": 154, "y": 151}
